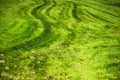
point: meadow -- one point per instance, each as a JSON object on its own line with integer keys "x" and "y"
{"x": 59, "y": 39}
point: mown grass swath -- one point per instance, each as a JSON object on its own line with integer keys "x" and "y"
{"x": 59, "y": 39}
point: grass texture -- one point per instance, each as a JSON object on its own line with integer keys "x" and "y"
{"x": 59, "y": 40}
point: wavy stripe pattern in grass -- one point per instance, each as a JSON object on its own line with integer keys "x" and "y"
{"x": 59, "y": 39}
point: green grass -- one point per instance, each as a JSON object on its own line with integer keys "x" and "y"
{"x": 59, "y": 39}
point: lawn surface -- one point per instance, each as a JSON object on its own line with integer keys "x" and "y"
{"x": 59, "y": 39}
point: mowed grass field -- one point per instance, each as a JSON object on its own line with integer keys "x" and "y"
{"x": 59, "y": 40}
